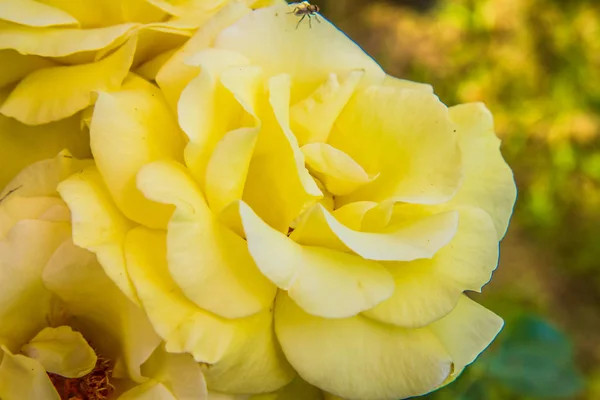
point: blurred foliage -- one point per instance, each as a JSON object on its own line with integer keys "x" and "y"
{"x": 536, "y": 65}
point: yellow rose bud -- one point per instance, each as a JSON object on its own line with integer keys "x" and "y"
{"x": 282, "y": 209}
{"x": 66, "y": 328}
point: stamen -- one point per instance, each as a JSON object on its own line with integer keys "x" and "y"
{"x": 93, "y": 386}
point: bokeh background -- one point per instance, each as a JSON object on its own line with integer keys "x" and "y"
{"x": 536, "y": 65}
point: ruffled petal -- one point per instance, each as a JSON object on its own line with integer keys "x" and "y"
{"x": 323, "y": 282}
{"x": 312, "y": 118}
{"x": 415, "y": 239}
{"x": 279, "y": 186}
{"x": 242, "y": 355}
{"x": 16, "y": 66}
{"x": 386, "y": 362}
{"x": 22, "y": 145}
{"x": 174, "y": 76}
{"x": 60, "y": 42}
{"x": 98, "y": 225}
{"x": 51, "y": 94}
{"x": 33, "y": 13}
{"x": 151, "y": 390}
{"x": 426, "y": 290}
{"x": 61, "y": 351}
{"x": 24, "y": 378}
{"x": 209, "y": 262}
{"x": 489, "y": 182}
{"x": 299, "y": 389}
{"x": 115, "y": 326}
{"x": 25, "y": 303}
{"x": 329, "y": 50}
{"x": 131, "y": 128}
{"x": 408, "y": 138}
{"x": 466, "y": 332}
{"x": 340, "y": 174}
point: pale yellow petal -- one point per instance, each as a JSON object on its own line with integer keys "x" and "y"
{"x": 391, "y": 81}
{"x": 22, "y": 145}
{"x": 51, "y": 94}
{"x": 323, "y": 282}
{"x": 279, "y": 187}
{"x": 426, "y": 290}
{"x": 312, "y": 118}
{"x": 14, "y": 208}
{"x": 178, "y": 372}
{"x": 309, "y": 55}
{"x": 351, "y": 215}
{"x": 150, "y": 390}
{"x": 59, "y": 42}
{"x": 357, "y": 358}
{"x": 174, "y": 76}
{"x": 228, "y": 167}
{"x": 33, "y": 13}
{"x": 340, "y": 174}
{"x": 466, "y": 332}
{"x": 489, "y": 182}
{"x": 61, "y": 351}
{"x": 416, "y": 239}
{"x": 207, "y": 110}
{"x": 116, "y": 326}
{"x": 23, "y": 378}
{"x": 15, "y": 66}
{"x": 210, "y": 263}
{"x": 21, "y": 289}
{"x": 131, "y": 128}
{"x": 98, "y": 225}
{"x": 108, "y": 12}
{"x": 150, "y": 68}
{"x": 407, "y": 137}
{"x": 242, "y": 354}
{"x": 298, "y": 389}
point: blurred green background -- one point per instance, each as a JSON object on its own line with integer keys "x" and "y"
{"x": 536, "y": 65}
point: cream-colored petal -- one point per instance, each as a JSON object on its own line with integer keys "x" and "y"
{"x": 228, "y": 167}
{"x": 178, "y": 372}
{"x": 426, "y": 290}
{"x": 150, "y": 390}
{"x": 298, "y": 389}
{"x": 416, "y": 239}
{"x": 489, "y": 182}
{"x": 15, "y": 208}
{"x": 408, "y": 138}
{"x": 16, "y": 66}
{"x": 466, "y": 332}
{"x": 207, "y": 110}
{"x": 391, "y": 81}
{"x": 323, "y": 282}
{"x": 312, "y": 118}
{"x": 340, "y": 174}
{"x": 51, "y": 94}
{"x": 129, "y": 129}
{"x": 24, "y": 301}
{"x": 22, "y": 145}
{"x": 115, "y": 326}
{"x": 59, "y": 42}
{"x": 61, "y": 351}
{"x": 150, "y": 68}
{"x": 351, "y": 215}
{"x": 209, "y": 262}
{"x": 242, "y": 354}
{"x": 24, "y": 378}
{"x": 98, "y": 225}
{"x": 385, "y": 362}
{"x": 279, "y": 186}
{"x": 309, "y": 55}
{"x": 174, "y": 76}
{"x": 33, "y": 13}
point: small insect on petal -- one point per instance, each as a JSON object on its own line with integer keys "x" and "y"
{"x": 305, "y": 9}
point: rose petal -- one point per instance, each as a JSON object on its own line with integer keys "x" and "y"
{"x": 33, "y": 13}
{"x": 61, "y": 351}
{"x": 24, "y": 378}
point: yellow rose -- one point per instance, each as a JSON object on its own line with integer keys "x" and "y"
{"x": 56, "y": 303}
{"x": 56, "y": 54}
{"x": 292, "y": 217}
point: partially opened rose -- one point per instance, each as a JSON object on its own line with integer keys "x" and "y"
{"x": 66, "y": 330}
{"x": 292, "y": 217}
{"x": 55, "y": 55}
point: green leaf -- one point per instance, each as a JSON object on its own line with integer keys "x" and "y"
{"x": 536, "y": 359}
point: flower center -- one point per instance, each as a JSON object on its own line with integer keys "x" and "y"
{"x": 93, "y": 386}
